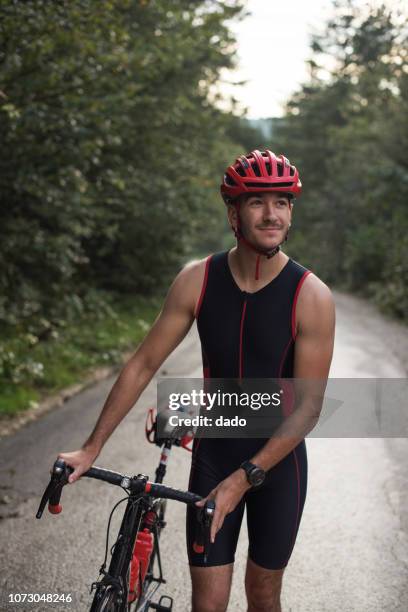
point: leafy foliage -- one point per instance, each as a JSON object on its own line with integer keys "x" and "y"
{"x": 346, "y": 129}
{"x": 113, "y": 152}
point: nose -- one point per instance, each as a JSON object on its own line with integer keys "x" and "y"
{"x": 269, "y": 211}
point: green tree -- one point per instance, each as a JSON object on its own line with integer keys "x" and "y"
{"x": 112, "y": 145}
{"x": 344, "y": 129}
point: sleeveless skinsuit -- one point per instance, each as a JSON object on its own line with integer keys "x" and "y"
{"x": 249, "y": 335}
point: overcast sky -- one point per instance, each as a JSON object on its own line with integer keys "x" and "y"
{"x": 273, "y": 44}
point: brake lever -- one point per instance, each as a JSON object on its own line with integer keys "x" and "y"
{"x": 52, "y": 494}
{"x": 205, "y": 517}
{"x": 209, "y": 509}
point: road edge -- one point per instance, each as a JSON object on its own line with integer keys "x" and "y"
{"x": 9, "y": 425}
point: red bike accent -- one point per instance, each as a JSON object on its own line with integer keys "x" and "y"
{"x": 55, "y": 509}
{"x": 139, "y": 563}
{"x": 149, "y": 519}
{"x": 187, "y": 443}
{"x": 198, "y": 548}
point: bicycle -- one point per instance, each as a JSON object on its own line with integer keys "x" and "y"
{"x": 131, "y": 580}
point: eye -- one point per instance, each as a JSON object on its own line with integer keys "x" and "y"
{"x": 282, "y": 203}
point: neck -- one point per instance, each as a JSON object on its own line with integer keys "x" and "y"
{"x": 248, "y": 264}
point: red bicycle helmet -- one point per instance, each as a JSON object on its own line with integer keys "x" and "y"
{"x": 260, "y": 171}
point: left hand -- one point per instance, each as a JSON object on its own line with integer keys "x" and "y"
{"x": 227, "y": 495}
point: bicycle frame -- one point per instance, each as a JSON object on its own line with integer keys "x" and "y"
{"x": 119, "y": 567}
{"x": 122, "y": 554}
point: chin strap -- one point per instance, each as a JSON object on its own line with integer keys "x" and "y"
{"x": 261, "y": 253}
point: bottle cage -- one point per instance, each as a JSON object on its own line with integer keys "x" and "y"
{"x": 185, "y": 441}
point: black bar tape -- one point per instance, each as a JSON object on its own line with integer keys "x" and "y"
{"x": 186, "y": 497}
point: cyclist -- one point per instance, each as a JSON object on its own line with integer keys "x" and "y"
{"x": 259, "y": 314}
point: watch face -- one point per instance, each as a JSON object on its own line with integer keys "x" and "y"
{"x": 257, "y": 476}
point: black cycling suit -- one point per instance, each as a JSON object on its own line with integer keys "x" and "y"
{"x": 249, "y": 335}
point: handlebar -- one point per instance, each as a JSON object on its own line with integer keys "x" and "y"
{"x": 52, "y": 494}
{"x": 135, "y": 485}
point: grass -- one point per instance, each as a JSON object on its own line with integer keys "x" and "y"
{"x": 77, "y": 348}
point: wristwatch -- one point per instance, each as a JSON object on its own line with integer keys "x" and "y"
{"x": 255, "y": 475}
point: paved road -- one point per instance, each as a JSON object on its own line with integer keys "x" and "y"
{"x": 352, "y": 549}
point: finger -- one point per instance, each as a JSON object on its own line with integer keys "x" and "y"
{"x": 214, "y": 531}
{"x": 216, "y": 525}
{"x": 217, "y": 529}
{"x": 66, "y": 458}
{"x": 75, "y": 475}
{"x": 211, "y": 495}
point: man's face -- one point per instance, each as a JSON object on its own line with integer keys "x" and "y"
{"x": 265, "y": 218}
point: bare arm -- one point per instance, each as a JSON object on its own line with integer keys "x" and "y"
{"x": 170, "y": 327}
{"x": 313, "y": 355}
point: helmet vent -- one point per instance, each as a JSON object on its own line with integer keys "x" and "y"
{"x": 280, "y": 169}
{"x": 229, "y": 180}
{"x": 268, "y": 168}
{"x": 256, "y": 169}
{"x": 240, "y": 170}
{"x": 292, "y": 171}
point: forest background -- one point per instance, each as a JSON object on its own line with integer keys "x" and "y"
{"x": 113, "y": 148}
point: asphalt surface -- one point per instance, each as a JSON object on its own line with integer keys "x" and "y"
{"x": 352, "y": 549}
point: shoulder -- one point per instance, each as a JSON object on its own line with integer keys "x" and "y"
{"x": 188, "y": 283}
{"x": 315, "y": 304}
{"x": 314, "y": 290}
{"x": 192, "y": 273}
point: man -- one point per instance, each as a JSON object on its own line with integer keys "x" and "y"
{"x": 259, "y": 315}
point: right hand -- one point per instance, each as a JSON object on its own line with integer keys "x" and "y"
{"x": 81, "y": 460}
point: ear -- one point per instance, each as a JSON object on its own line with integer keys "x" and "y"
{"x": 232, "y": 215}
{"x": 290, "y": 210}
